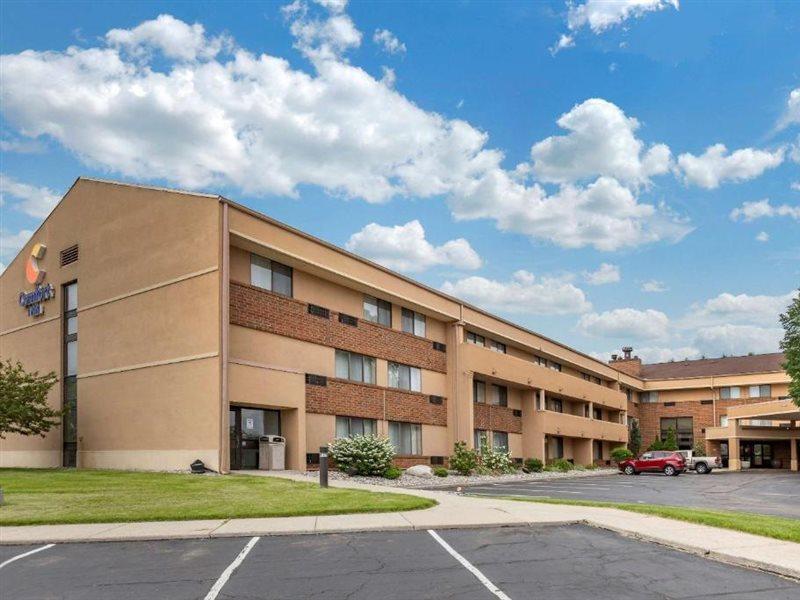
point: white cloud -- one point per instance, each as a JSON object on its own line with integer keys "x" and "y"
{"x": 606, "y": 273}
{"x": 737, "y": 340}
{"x": 10, "y": 243}
{"x": 23, "y": 146}
{"x": 601, "y": 141}
{"x": 564, "y": 41}
{"x": 601, "y": 15}
{"x": 254, "y": 122}
{"x": 605, "y": 214}
{"x": 716, "y": 166}
{"x": 324, "y": 38}
{"x": 174, "y": 38}
{"x": 727, "y": 308}
{"x": 626, "y": 323}
{"x": 795, "y": 185}
{"x": 762, "y": 236}
{"x": 654, "y": 286}
{"x": 34, "y": 201}
{"x": 388, "y": 41}
{"x": 404, "y": 248}
{"x": 524, "y": 293}
{"x": 657, "y": 354}
{"x": 750, "y": 211}
{"x": 791, "y": 115}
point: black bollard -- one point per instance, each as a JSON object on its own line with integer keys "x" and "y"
{"x": 323, "y": 466}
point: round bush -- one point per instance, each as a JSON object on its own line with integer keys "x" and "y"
{"x": 363, "y": 454}
{"x": 392, "y": 472}
{"x": 440, "y": 472}
{"x": 562, "y": 465}
{"x": 534, "y": 465}
{"x": 621, "y": 453}
{"x": 464, "y": 460}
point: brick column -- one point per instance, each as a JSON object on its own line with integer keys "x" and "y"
{"x": 793, "y": 463}
{"x": 734, "y": 462}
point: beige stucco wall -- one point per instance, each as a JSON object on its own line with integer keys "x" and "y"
{"x": 148, "y": 295}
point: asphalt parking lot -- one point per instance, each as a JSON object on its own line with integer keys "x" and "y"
{"x": 769, "y": 493}
{"x": 566, "y": 562}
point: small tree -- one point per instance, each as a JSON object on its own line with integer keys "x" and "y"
{"x": 464, "y": 460}
{"x": 23, "y": 401}
{"x": 671, "y": 442}
{"x": 363, "y": 454}
{"x": 791, "y": 347}
{"x": 699, "y": 448}
{"x": 635, "y": 438}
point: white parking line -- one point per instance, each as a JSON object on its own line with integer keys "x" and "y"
{"x": 469, "y": 567}
{"x": 24, "y": 554}
{"x": 226, "y": 574}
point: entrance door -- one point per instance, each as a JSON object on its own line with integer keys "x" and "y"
{"x": 246, "y": 426}
{"x": 762, "y": 455}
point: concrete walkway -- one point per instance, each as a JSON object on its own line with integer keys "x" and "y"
{"x": 453, "y": 511}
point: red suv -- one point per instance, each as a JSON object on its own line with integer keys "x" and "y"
{"x": 665, "y": 461}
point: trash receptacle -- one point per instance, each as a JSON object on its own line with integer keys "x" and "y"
{"x": 271, "y": 453}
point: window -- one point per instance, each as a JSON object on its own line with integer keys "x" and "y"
{"x": 413, "y": 322}
{"x": 730, "y": 392}
{"x": 500, "y": 440}
{"x": 270, "y": 275}
{"x": 648, "y": 397}
{"x": 479, "y": 438}
{"x": 378, "y": 311}
{"x": 554, "y": 365}
{"x": 499, "y": 395}
{"x": 406, "y": 437}
{"x": 474, "y": 338}
{"x": 405, "y": 377}
{"x": 723, "y": 420}
{"x": 760, "y": 391}
{"x": 597, "y": 449}
{"x": 478, "y": 391}
{"x": 70, "y": 387}
{"x": 598, "y": 414}
{"x": 555, "y": 447}
{"x": 556, "y": 405}
{"x": 497, "y": 346}
{"x": 684, "y": 431}
{"x": 351, "y": 426}
{"x": 629, "y": 394}
{"x": 355, "y": 367}
{"x": 586, "y": 376}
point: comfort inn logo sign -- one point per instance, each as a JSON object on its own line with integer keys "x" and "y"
{"x": 33, "y": 301}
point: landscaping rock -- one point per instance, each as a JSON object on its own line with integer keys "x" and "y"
{"x": 420, "y": 471}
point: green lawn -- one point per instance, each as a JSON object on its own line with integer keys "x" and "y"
{"x": 780, "y": 528}
{"x": 49, "y": 496}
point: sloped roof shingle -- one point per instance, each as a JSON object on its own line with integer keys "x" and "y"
{"x": 706, "y": 367}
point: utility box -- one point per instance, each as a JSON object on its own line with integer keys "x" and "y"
{"x": 271, "y": 453}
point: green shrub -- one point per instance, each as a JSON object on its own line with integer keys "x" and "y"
{"x": 621, "y": 453}
{"x": 440, "y": 472}
{"x": 590, "y": 467}
{"x": 534, "y": 465}
{"x": 464, "y": 460}
{"x": 699, "y": 448}
{"x": 363, "y": 454}
{"x": 656, "y": 445}
{"x": 562, "y": 465}
{"x": 549, "y": 469}
{"x": 496, "y": 461}
{"x": 392, "y": 472}
{"x": 671, "y": 443}
{"x": 635, "y": 437}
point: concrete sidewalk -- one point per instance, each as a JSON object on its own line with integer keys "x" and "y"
{"x": 453, "y": 511}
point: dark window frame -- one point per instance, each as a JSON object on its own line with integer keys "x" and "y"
{"x": 275, "y": 269}
{"x": 383, "y": 310}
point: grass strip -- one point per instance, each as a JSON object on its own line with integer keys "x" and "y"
{"x": 779, "y": 528}
{"x": 55, "y": 496}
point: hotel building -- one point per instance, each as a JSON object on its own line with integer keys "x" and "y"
{"x": 183, "y": 326}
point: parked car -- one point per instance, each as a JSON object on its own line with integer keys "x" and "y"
{"x": 665, "y": 461}
{"x": 702, "y": 464}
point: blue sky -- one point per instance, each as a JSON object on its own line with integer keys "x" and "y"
{"x": 582, "y": 191}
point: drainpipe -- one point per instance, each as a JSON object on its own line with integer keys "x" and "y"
{"x": 224, "y": 441}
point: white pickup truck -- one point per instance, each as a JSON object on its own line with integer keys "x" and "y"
{"x": 700, "y": 464}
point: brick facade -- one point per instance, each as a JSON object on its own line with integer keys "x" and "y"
{"x": 263, "y": 310}
{"x": 496, "y": 418}
{"x": 650, "y": 415}
{"x": 347, "y": 398}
